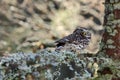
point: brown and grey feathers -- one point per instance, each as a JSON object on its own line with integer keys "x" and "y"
{"x": 80, "y": 37}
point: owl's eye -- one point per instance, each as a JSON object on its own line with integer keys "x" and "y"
{"x": 84, "y": 33}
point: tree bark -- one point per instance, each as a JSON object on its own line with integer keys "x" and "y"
{"x": 110, "y": 43}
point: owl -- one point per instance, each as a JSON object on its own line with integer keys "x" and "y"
{"x": 78, "y": 40}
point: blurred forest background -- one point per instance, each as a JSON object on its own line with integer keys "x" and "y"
{"x": 30, "y": 25}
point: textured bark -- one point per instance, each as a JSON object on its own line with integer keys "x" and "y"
{"x": 111, "y": 38}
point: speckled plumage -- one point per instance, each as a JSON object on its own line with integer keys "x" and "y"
{"x": 78, "y": 40}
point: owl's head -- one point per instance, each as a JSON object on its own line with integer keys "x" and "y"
{"x": 83, "y": 32}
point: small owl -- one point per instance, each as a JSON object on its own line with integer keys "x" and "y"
{"x": 78, "y": 40}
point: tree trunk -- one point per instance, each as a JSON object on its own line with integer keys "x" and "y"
{"x": 111, "y": 38}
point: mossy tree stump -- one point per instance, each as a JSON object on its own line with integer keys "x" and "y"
{"x": 111, "y": 37}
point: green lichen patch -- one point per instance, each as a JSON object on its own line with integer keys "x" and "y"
{"x": 111, "y": 46}
{"x": 110, "y": 41}
{"x": 114, "y": 32}
{"x": 109, "y": 29}
{"x": 112, "y": 1}
{"x": 116, "y": 6}
{"x": 116, "y": 1}
{"x": 109, "y": 7}
{"x": 47, "y": 65}
{"x": 116, "y": 22}
{"x": 111, "y": 17}
{"x": 101, "y": 45}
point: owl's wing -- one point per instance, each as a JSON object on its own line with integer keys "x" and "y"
{"x": 64, "y": 40}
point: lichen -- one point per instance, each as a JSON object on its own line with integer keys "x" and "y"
{"x": 109, "y": 7}
{"x": 110, "y": 17}
{"x": 116, "y": 22}
{"x": 51, "y": 64}
{"x": 109, "y": 29}
{"x": 114, "y": 32}
{"x": 111, "y": 1}
{"x": 116, "y": 1}
{"x": 102, "y": 45}
{"x": 111, "y": 46}
{"x": 117, "y": 5}
{"x": 110, "y": 41}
